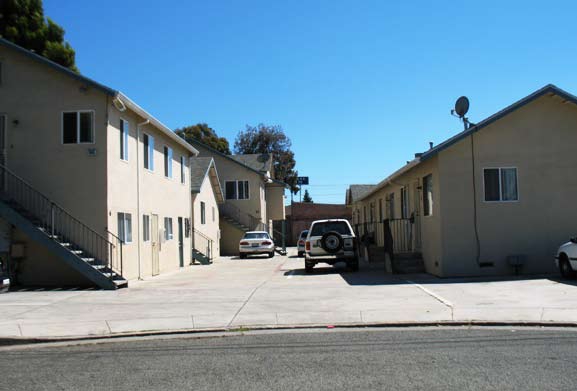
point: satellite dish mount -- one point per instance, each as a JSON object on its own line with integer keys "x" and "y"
{"x": 461, "y": 108}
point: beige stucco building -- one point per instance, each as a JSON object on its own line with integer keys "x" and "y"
{"x": 207, "y": 195}
{"x": 99, "y": 170}
{"x": 253, "y": 198}
{"x": 496, "y": 197}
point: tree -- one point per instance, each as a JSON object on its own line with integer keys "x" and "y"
{"x": 23, "y": 22}
{"x": 206, "y": 135}
{"x": 270, "y": 139}
{"x": 307, "y": 197}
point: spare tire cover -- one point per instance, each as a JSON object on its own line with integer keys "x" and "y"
{"x": 332, "y": 242}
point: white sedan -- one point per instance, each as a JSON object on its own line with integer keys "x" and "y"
{"x": 256, "y": 242}
{"x": 566, "y": 258}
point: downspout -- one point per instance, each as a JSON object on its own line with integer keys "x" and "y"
{"x": 138, "y": 189}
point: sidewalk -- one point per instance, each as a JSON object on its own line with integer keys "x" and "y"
{"x": 233, "y": 294}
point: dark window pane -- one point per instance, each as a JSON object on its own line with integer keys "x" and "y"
{"x": 240, "y": 190}
{"x": 69, "y": 123}
{"x": 246, "y": 190}
{"x": 491, "y": 180}
{"x": 230, "y": 190}
{"x": 320, "y": 229}
{"x": 145, "y": 150}
{"x": 165, "y": 161}
{"x": 86, "y": 131}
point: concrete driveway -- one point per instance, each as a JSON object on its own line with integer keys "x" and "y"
{"x": 234, "y": 293}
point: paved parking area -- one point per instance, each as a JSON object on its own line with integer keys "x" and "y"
{"x": 234, "y": 293}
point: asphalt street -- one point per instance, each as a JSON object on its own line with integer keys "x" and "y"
{"x": 405, "y": 359}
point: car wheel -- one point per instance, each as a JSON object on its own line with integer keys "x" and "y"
{"x": 309, "y": 267}
{"x": 271, "y": 254}
{"x": 242, "y": 256}
{"x": 565, "y": 267}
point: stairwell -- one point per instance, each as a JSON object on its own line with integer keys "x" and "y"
{"x": 45, "y": 222}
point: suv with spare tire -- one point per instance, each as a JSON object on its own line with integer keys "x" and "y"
{"x": 331, "y": 241}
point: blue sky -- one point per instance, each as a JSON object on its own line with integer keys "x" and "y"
{"x": 358, "y": 86}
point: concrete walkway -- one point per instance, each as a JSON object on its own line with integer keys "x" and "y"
{"x": 276, "y": 292}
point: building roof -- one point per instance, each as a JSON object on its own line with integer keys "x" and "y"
{"x": 200, "y": 169}
{"x": 548, "y": 90}
{"x": 237, "y": 160}
{"x": 354, "y": 192}
{"x": 255, "y": 161}
{"x": 117, "y": 95}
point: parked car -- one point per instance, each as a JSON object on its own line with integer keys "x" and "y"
{"x": 566, "y": 258}
{"x": 301, "y": 243}
{"x": 256, "y": 242}
{"x": 331, "y": 241}
{"x": 4, "y": 278}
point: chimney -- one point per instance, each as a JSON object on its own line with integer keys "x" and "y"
{"x": 430, "y": 145}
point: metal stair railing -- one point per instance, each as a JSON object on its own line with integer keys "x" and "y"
{"x": 241, "y": 217}
{"x": 202, "y": 244}
{"x": 57, "y": 223}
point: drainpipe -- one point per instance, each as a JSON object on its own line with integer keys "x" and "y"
{"x": 138, "y": 189}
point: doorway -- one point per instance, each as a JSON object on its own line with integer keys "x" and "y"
{"x": 155, "y": 240}
{"x": 180, "y": 243}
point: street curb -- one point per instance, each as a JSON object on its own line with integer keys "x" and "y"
{"x": 239, "y": 330}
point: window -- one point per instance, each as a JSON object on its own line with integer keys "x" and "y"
{"x": 202, "y": 213}
{"x": 237, "y": 190}
{"x": 125, "y": 227}
{"x": 500, "y": 184}
{"x": 428, "y": 195}
{"x": 404, "y": 203}
{"x": 168, "y": 228}
{"x": 182, "y": 177}
{"x": 392, "y": 206}
{"x": 168, "y": 162}
{"x": 186, "y": 227}
{"x": 148, "y": 152}
{"x": 380, "y": 209}
{"x": 145, "y": 228}
{"x": 124, "y": 130}
{"x": 372, "y": 206}
{"x": 213, "y": 214}
{"x": 78, "y": 127}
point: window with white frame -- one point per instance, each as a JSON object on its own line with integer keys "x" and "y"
{"x": 148, "y": 151}
{"x": 202, "y": 213}
{"x": 145, "y": 228}
{"x": 237, "y": 190}
{"x": 500, "y": 184}
{"x": 404, "y": 202}
{"x": 167, "y": 162}
{"x": 168, "y": 228}
{"x": 78, "y": 127}
{"x": 124, "y": 130}
{"x": 125, "y": 227}
{"x": 428, "y": 195}
{"x": 182, "y": 170}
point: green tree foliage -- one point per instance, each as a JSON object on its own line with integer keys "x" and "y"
{"x": 206, "y": 135}
{"x": 307, "y": 197}
{"x": 270, "y": 139}
{"x": 23, "y": 22}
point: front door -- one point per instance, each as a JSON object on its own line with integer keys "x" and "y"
{"x": 180, "y": 243}
{"x": 155, "y": 240}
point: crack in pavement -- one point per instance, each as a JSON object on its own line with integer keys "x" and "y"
{"x": 440, "y": 299}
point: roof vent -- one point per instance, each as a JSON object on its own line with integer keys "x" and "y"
{"x": 418, "y": 154}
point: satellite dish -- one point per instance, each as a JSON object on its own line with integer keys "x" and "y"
{"x": 263, "y": 157}
{"x": 462, "y": 106}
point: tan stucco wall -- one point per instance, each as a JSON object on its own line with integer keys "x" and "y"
{"x": 274, "y": 194}
{"x": 165, "y": 197}
{"x": 539, "y": 139}
{"x": 211, "y": 228}
{"x": 35, "y": 96}
{"x": 230, "y": 238}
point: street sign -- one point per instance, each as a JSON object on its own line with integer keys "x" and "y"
{"x": 302, "y": 180}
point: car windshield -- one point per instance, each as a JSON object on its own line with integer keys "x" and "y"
{"x": 341, "y": 227}
{"x": 304, "y": 234}
{"x": 256, "y": 235}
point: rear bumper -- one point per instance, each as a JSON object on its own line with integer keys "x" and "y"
{"x": 256, "y": 250}
{"x": 330, "y": 259}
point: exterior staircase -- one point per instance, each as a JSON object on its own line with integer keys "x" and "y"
{"x": 43, "y": 221}
{"x": 202, "y": 250}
